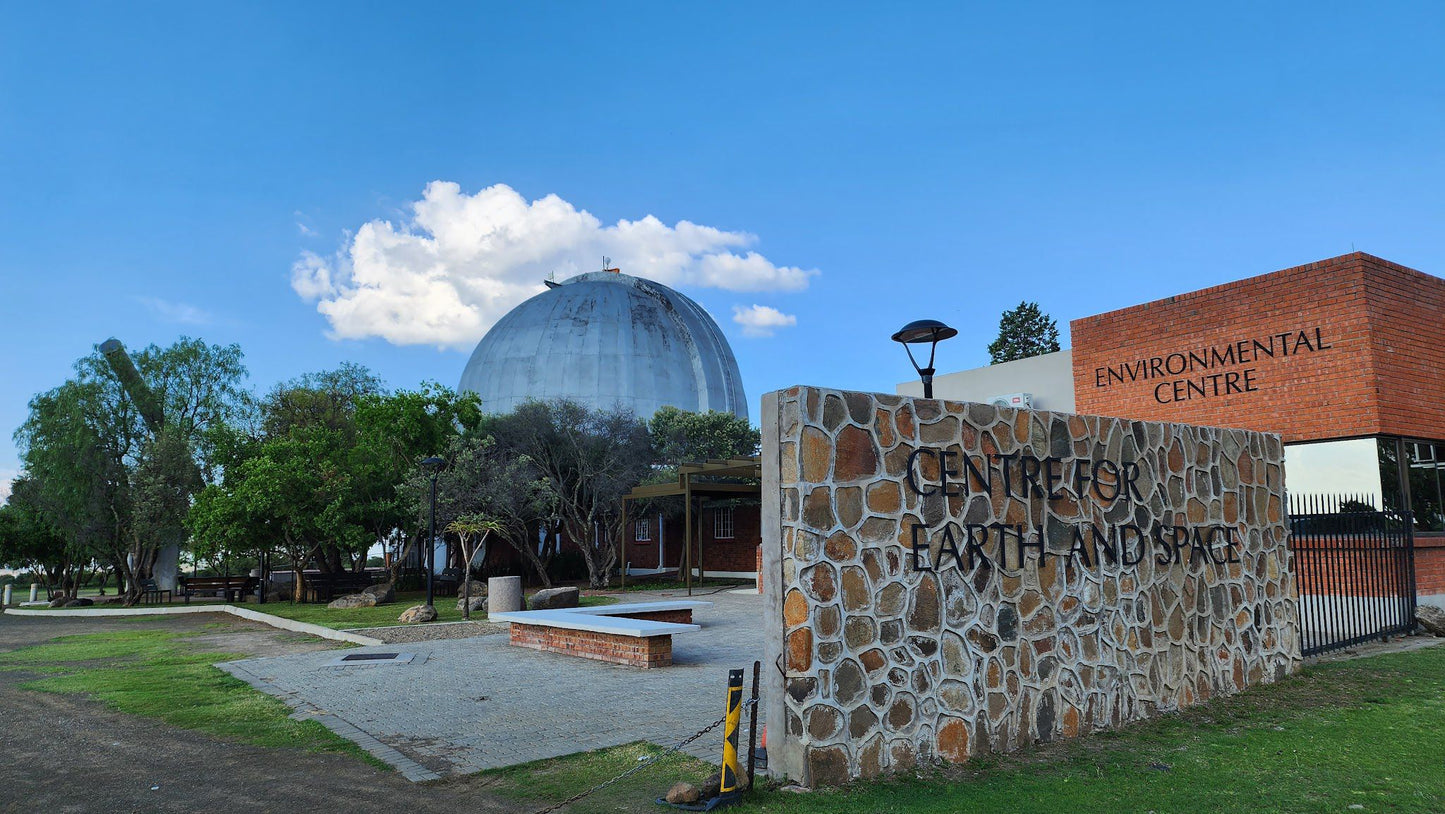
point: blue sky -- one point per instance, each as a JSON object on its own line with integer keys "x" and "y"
{"x": 167, "y": 171}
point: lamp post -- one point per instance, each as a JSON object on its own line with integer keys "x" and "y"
{"x": 918, "y": 332}
{"x": 432, "y": 465}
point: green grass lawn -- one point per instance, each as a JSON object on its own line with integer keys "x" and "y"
{"x": 156, "y": 674}
{"x": 1368, "y": 733}
{"x": 382, "y": 615}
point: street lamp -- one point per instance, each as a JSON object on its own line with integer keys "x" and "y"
{"x": 432, "y": 465}
{"x": 918, "y": 332}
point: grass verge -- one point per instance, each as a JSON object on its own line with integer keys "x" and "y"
{"x": 157, "y": 674}
{"x": 534, "y": 785}
{"x": 1362, "y": 735}
{"x": 1346, "y": 736}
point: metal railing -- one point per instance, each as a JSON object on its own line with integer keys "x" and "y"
{"x": 1354, "y": 571}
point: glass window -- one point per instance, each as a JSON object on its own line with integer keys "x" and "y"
{"x": 1424, "y": 478}
{"x": 1394, "y": 499}
{"x": 642, "y": 531}
{"x": 722, "y": 524}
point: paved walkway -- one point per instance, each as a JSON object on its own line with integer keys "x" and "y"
{"x": 464, "y": 705}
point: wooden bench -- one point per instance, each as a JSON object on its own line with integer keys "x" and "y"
{"x": 637, "y": 635}
{"x": 318, "y": 587}
{"x": 152, "y": 592}
{"x": 232, "y": 589}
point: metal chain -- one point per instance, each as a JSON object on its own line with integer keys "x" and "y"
{"x": 643, "y": 764}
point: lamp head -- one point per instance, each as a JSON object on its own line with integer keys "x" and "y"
{"x": 433, "y": 464}
{"x": 924, "y": 330}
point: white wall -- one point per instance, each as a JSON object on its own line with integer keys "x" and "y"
{"x": 1049, "y": 378}
{"x": 1333, "y": 467}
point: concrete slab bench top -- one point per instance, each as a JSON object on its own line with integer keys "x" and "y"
{"x": 610, "y": 619}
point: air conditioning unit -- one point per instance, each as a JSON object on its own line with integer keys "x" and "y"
{"x": 1019, "y": 401}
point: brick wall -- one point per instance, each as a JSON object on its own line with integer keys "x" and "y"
{"x": 633, "y": 651}
{"x": 1365, "y": 350}
{"x": 1429, "y": 566}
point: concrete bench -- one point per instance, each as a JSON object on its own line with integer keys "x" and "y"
{"x": 637, "y": 634}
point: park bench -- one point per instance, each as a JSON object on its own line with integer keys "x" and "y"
{"x": 150, "y": 592}
{"x": 318, "y": 587}
{"x": 231, "y": 589}
{"x": 637, "y": 635}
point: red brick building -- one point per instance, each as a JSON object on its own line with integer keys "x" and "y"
{"x": 1344, "y": 358}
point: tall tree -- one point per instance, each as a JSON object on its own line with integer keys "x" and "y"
{"x": 591, "y": 458}
{"x": 682, "y": 436}
{"x": 117, "y": 488}
{"x": 1023, "y": 332}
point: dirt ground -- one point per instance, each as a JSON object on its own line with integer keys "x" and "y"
{"x": 62, "y": 753}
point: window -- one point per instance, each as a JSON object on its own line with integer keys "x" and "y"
{"x": 642, "y": 531}
{"x": 722, "y": 524}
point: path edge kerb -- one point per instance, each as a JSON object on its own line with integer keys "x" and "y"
{"x": 244, "y": 613}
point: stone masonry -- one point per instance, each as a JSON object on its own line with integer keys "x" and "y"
{"x": 949, "y": 579}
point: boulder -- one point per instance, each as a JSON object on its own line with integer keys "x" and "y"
{"x": 362, "y": 600}
{"x": 712, "y": 786}
{"x": 80, "y": 602}
{"x": 478, "y": 603}
{"x": 59, "y": 601}
{"x": 418, "y": 613}
{"x": 682, "y": 794}
{"x": 478, "y": 588}
{"x": 384, "y": 592}
{"x": 1431, "y": 618}
{"x": 553, "y": 598}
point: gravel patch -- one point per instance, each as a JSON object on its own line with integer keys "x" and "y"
{"x": 396, "y": 634}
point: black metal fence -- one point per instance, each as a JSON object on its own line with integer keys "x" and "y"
{"x": 1354, "y": 571}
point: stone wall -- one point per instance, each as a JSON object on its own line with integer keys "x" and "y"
{"x": 946, "y": 579}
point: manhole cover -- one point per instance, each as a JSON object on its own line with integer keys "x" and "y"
{"x": 375, "y": 659}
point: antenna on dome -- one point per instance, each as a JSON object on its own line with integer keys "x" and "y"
{"x": 607, "y": 265}
{"x": 551, "y": 281}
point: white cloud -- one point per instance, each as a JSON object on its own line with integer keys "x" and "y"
{"x": 761, "y": 320}
{"x": 180, "y": 312}
{"x": 462, "y": 261}
{"x": 7, "y": 476}
{"x": 305, "y": 230}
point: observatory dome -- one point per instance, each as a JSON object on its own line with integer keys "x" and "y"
{"x": 605, "y": 339}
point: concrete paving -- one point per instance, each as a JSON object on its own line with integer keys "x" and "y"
{"x": 469, "y": 704}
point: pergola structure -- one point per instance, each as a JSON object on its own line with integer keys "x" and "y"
{"x": 697, "y": 480}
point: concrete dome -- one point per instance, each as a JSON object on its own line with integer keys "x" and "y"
{"x": 605, "y": 339}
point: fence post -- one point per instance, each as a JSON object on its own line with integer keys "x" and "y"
{"x": 730, "y": 768}
{"x": 753, "y": 725}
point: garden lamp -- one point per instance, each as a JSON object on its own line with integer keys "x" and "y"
{"x": 918, "y": 332}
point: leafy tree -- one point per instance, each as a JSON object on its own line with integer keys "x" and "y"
{"x": 315, "y": 475}
{"x": 1023, "y": 332}
{"x": 486, "y": 479}
{"x": 30, "y": 542}
{"x": 591, "y": 459}
{"x": 681, "y": 436}
{"x": 114, "y": 487}
{"x": 472, "y": 531}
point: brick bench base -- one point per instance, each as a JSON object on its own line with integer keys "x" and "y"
{"x": 633, "y": 651}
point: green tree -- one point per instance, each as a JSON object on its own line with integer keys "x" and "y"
{"x": 29, "y": 542}
{"x": 117, "y": 490}
{"x": 1023, "y": 332}
{"x": 682, "y": 436}
{"x": 315, "y": 473}
{"x": 486, "y": 479}
{"x": 591, "y": 459}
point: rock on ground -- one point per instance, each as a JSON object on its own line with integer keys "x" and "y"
{"x": 478, "y": 603}
{"x": 478, "y": 587}
{"x": 81, "y": 602}
{"x": 682, "y": 794}
{"x": 417, "y": 613}
{"x": 1431, "y": 618}
{"x": 384, "y": 593}
{"x": 553, "y": 598}
{"x": 353, "y": 601}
